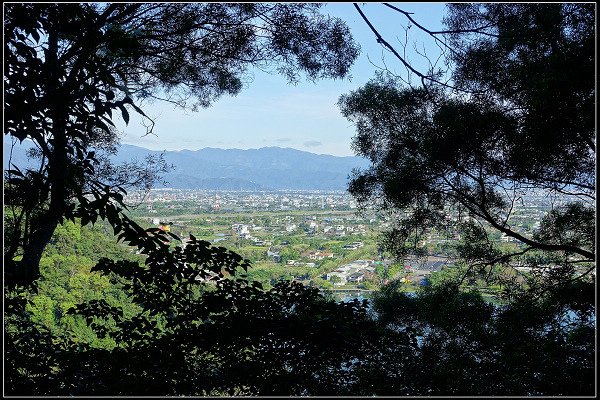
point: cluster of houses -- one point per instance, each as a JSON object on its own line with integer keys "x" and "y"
{"x": 274, "y": 253}
{"x": 310, "y": 227}
{"x": 239, "y": 200}
{"x": 504, "y": 238}
{"x": 354, "y": 272}
{"x": 295, "y": 263}
{"x": 319, "y": 255}
{"x": 243, "y": 231}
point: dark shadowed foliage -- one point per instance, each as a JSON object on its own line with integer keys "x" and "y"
{"x": 516, "y": 116}
{"x": 203, "y": 329}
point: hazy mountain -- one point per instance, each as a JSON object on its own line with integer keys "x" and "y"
{"x": 265, "y": 168}
{"x": 233, "y": 169}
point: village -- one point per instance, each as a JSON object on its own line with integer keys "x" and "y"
{"x": 317, "y": 238}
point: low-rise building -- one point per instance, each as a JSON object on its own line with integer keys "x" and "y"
{"x": 356, "y": 277}
{"x": 319, "y": 255}
{"x": 274, "y": 253}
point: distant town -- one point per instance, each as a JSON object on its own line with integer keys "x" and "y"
{"x": 319, "y": 238}
{"x": 240, "y": 201}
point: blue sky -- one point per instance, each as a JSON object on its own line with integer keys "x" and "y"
{"x": 271, "y": 112}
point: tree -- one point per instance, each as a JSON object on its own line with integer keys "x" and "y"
{"x": 513, "y": 115}
{"x": 442, "y": 341}
{"x": 68, "y": 67}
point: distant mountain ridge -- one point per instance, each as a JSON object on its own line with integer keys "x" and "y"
{"x": 267, "y": 168}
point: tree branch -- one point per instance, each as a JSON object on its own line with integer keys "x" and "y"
{"x": 479, "y": 209}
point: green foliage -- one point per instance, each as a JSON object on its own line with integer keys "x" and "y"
{"x": 289, "y": 253}
{"x": 572, "y": 224}
{"x": 396, "y": 270}
{"x": 319, "y": 282}
{"x": 66, "y": 281}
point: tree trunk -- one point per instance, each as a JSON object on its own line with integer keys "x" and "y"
{"x": 27, "y": 270}
{"x": 42, "y": 228}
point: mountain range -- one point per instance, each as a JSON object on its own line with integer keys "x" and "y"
{"x": 267, "y": 168}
